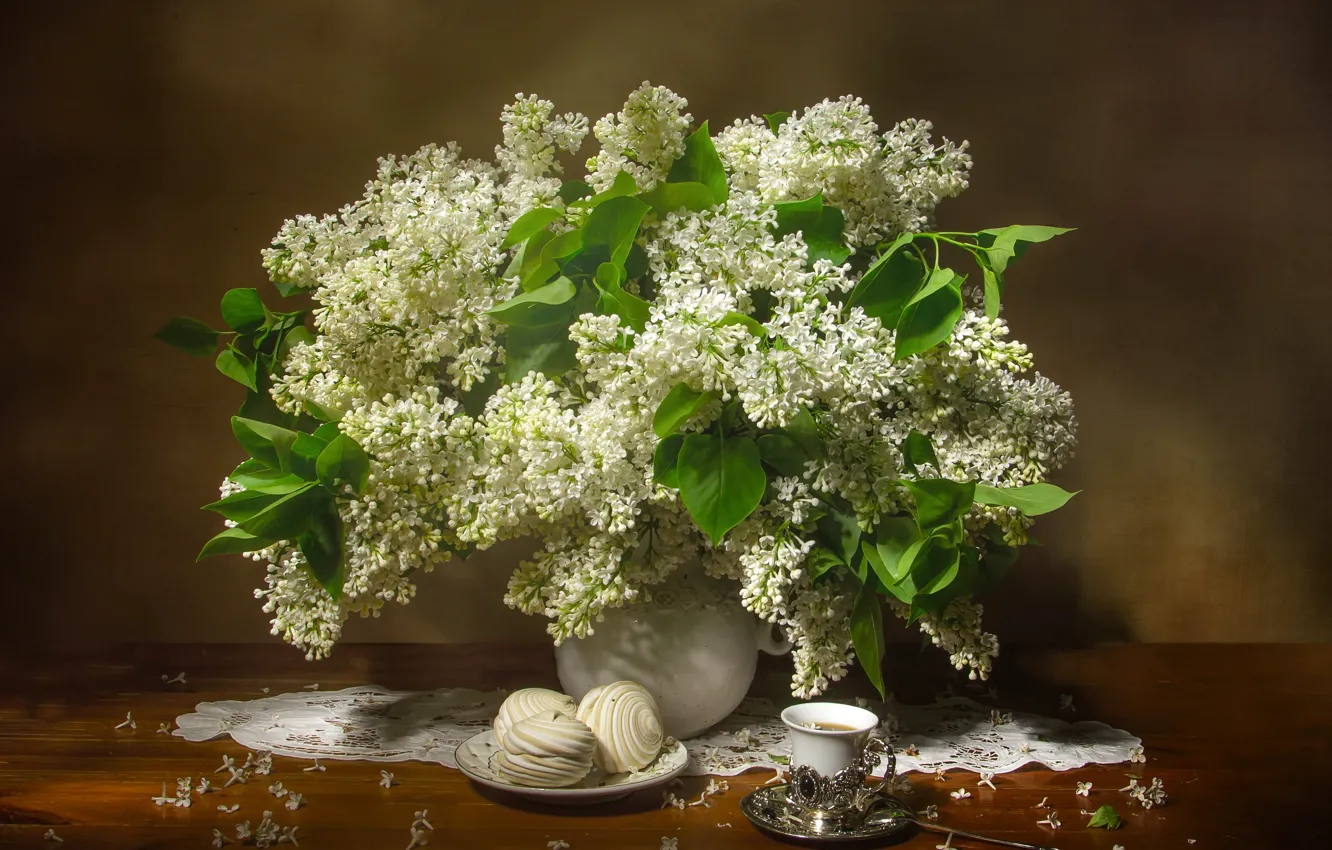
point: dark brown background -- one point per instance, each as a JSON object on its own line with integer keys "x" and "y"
{"x": 152, "y": 149}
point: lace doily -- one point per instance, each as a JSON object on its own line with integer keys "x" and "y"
{"x": 373, "y": 724}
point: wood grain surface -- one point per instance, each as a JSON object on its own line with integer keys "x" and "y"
{"x": 1239, "y": 734}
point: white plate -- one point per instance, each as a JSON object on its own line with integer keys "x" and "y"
{"x": 474, "y": 757}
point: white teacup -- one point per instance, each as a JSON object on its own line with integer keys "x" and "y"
{"x": 827, "y": 736}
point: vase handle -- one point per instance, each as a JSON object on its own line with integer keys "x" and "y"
{"x": 767, "y": 643}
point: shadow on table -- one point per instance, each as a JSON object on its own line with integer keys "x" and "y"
{"x": 636, "y": 803}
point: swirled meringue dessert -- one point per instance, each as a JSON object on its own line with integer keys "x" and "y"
{"x": 545, "y": 750}
{"x": 626, "y": 722}
{"x": 529, "y": 701}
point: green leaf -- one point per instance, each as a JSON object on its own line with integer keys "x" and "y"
{"x": 665, "y": 460}
{"x": 273, "y": 481}
{"x": 546, "y": 349}
{"x": 286, "y": 289}
{"x": 867, "y": 634}
{"x": 918, "y": 451}
{"x": 804, "y": 430}
{"x": 622, "y": 185}
{"x": 322, "y": 544}
{"x": 730, "y": 415}
{"x": 752, "y": 324}
{"x": 949, "y": 563}
{"x": 528, "y": 224}
{"x": 838, "y": 528}
{"x": 237, "y": 367}
{"x": 721, "y": 481}
{"x": 870, "y": 555}
{"x": 328, "y": 432}
{"x": 233, "y": 541}
{"x": 190, "y": 336}
{"x": 1106, "y": 818}
{"x": 248, "y": 467}
{"x": 613, "y": 225}
{"x": 305, "y": 455}
{"x": 299, "y": 335}
{"x": 819, "y": 224}
{"x": 561, "y": 247}
{"x": 287, "y": 517}
{"x": 926, "y": 324}
{"x": 542, "y": 306}
{"x": 239, "y": 507}
{"x": 1031, "y": 499}
{"x": 938, "y": 279}
{"x": 700, "y": 164}
{"x": 669, "y": 197}
{"x": 636, "y": 264}
{"x": 1002, "y": 244}
{"x": 527, "y": 260}
{"x": 270, "y": 444}
{"x": 679, "y": 405}
{"x": 320, "y": 413}
{"x": 820, "y": 560}
{"x": 993, "y": 293}
{"x": 243, "y": 310}
{"x": 776, "y": 120}
{"x": 996, "y": 559}
{"x": 924, "y": 562}
{"x": 893, "y": 537}
{"x": 574, "y": 190}
{"x": 939, "y": 501}
{"x": 615, "y": 301}
{"x": 783, "y": 454}
{"x": 889, "y": 283}
{"x": 343, "y": 461}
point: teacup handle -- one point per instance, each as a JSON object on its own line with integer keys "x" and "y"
{"x": 876, "y": 748}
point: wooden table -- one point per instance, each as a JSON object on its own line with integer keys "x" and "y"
{"x": 1241, "y": 736}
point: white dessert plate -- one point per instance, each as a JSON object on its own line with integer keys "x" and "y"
{"x": 476, "y": 754}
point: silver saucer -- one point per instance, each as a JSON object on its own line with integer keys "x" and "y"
{"x": 771, "y": 811}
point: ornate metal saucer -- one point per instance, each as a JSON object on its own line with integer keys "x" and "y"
{"x": 774, "y": 810}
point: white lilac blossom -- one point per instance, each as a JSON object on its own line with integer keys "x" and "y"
{"x": 163, "y": 799}
{"x": 1148, "y": 795}
{"x": 408, "y": 360}
{"x": 1052, "y": 821}
{"x": 1083, "y": 789}
{"x": 960, "y": 794}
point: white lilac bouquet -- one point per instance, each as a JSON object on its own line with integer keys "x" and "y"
{"x": 747, "y": 349}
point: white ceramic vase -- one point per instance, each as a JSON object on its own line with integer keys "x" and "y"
{"x": 693, "y": 647}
